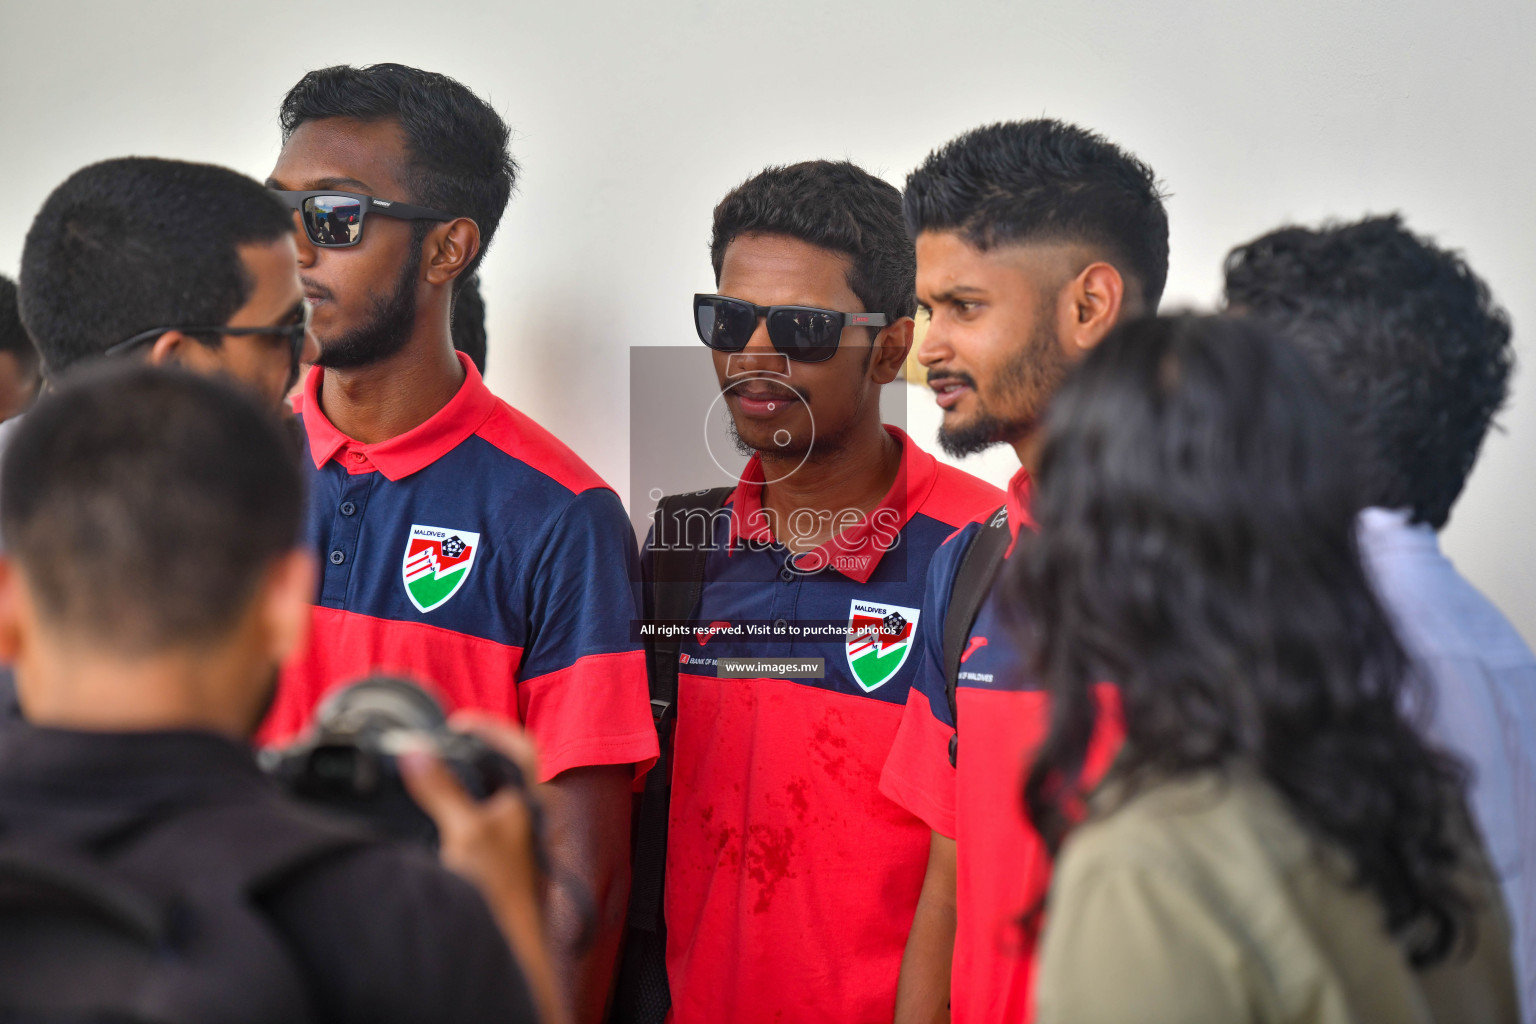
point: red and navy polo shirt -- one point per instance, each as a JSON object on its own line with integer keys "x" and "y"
{"x": 1002, "y": 866}
{"x": 791, "y": 882}
{"x": 478, "y": 553}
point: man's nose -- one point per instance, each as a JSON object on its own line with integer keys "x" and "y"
{"x": 935, "y": 347}
{"x": 759, "y": 355}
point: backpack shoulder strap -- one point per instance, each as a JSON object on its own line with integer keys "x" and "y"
{"x": 39, "y": 878}
{"x": 256, "y": 845}
{"x": 684, "y": 537}
{"x": 973, "y": 581}
{"x": 185, "y": 877}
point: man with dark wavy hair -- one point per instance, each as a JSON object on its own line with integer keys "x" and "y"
{"x": 460, "y": 541}
{"x": 1034, "y": 239}
{"x": 1418, "y": 357}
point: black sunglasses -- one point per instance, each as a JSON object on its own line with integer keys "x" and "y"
{"x": 335, "y": 219}
{"x": 804, "y": 333}
{"x": 294, "y": 333}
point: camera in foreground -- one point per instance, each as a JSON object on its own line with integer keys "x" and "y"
{"x": 348, "y": 762}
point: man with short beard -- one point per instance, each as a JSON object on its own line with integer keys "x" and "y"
{"x": 1033, "y": 240}
{"x": 790, "y": 881}
{"x": 460, "y": 542}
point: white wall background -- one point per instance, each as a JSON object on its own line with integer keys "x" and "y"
{"x": 632, "y": 119}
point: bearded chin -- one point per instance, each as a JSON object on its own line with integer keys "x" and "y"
{"x": 386, "y": 331}
{"x": 979, "y": 435}
{"x": 1028, "y": 381}
{"x": 794, "y": 449}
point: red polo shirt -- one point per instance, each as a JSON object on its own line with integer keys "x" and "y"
{"x": 791, "y": 880}
{"x": 1002, "y": 866}
{"x": 478, "y": 554}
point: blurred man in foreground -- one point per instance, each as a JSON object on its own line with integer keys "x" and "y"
{"x": 1418, "y": 356}
{"x": 151, "y": 586}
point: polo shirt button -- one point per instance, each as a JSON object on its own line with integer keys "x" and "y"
{"x": 347, "y": 508}
{"x": 779, "y": 623}
{"x": 786, "y": 574}
{"x": 358, "y": 457}
{"x": 338, "y": 556}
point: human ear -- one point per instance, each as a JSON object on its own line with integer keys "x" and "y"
{"x": 1096, "y": 298}
{"x": 450, "y": 249}
{"x": 892, "y": 344}
{"x": 170, "y": 349}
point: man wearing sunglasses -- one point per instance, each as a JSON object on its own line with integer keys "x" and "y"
{"x": 460, "y": 542}
{"x": 790, "y": 880}
{"x": 165, "y": 261}
{"x": 1033, "y": 240}
{"x": 168, "y": 262}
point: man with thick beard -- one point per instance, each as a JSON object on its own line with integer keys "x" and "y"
{"x": 460, "y": 542}
{"x": 1033, "y": 240}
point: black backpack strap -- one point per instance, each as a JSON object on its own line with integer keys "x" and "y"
{"x": 37, "y": 878}
{"x": 671, "y": 592}
{"x": 256, "y": 846}
{"x": 682, "y": 541}
{"x": 85, "y": 927}
{"x": 973, "y": 581}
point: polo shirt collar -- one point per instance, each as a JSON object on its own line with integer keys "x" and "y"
{"x": 1020, "y": 489}
{"x": 856, "y": 551}
{"x": 1391, "y": 529}
{"x": 410, "y": 452}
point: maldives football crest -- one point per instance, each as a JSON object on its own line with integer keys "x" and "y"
{"x": 437, "y": 562}
{"x": 879, "y": 640}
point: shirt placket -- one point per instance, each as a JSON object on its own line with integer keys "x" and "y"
{"x": 786, "y": 599}
{"x": 346, "y": 527}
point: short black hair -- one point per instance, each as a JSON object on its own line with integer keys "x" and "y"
{"x": 13, "y": 336}
{"x": 132, "y": 244}
{"x": 468, "y": 323}
{"x": 1408, "y": 338}
{"x": 1045, "y": 181}
{"x": 456, "y": 141}
{"x": 134, "y": 526}
{"x": 837, "y": 206}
